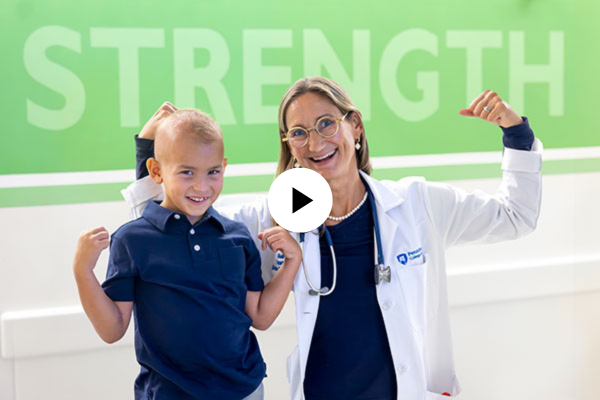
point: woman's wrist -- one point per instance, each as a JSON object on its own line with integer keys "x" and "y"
{"x": 518, "y": 137}
{"x": 144, "y": 149}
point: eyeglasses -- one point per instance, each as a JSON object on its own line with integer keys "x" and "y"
{"x": 326, "y": 127}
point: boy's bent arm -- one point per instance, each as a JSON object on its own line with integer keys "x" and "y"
{"x": 109, "y": 318}
{"x": 264, "y": 307}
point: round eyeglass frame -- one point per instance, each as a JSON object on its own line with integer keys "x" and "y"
{"x": 337, "y": 121}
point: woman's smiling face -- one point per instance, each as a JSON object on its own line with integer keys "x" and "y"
{"x": 333, "y": 157}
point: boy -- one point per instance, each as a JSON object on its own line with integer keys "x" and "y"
{"x": 192, "y": 276}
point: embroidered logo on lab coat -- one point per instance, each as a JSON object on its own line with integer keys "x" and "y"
{"x": 405, "y": 258}
{"x": 280, "y": 258}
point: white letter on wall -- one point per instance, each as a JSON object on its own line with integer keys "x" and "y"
{"x": 188, "y": 77}
{"x": 256, "y": 75}
{"x": 54, "y": 77}
{"x": 128, "y": 41}
{"x": 399, "y": 46}
{"x": 553, "y": 73}
{"x": 319, "y": 55}
{"x": 474, "y": 42}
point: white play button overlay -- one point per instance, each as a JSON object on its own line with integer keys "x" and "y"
{"x": 300, "y": 200}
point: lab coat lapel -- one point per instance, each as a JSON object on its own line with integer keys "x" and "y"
{"x": 385, "y": 201}
{"x": 307, "y": 306}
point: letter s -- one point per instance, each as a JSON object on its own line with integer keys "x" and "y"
{"x": 54, "y": 77}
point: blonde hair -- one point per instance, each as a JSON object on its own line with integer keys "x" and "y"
{"x": 338, "y": 96}
{"x": 194, "y": 122}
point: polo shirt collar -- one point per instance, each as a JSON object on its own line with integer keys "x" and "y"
{"x": 213, "y": 216}
{"x": 159, "y": 216}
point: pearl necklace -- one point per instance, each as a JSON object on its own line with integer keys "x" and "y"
{"x": 355, "y": 209}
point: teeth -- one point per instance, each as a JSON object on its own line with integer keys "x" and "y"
{"x": 198, "y": 198}
{"x": 324, "y": 157}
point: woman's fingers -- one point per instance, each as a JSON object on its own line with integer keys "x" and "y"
{"x": 466, "y": 113}
{"x": 166, "y": 106}
{"x": 169, "y": 107}
{"x": 478, "y": 99}
{"x": 498, "y": 107}
{"x": 149, "y": 129}
{"x": 483, "y": 105}
{"x": 491, "y": 108}
{"x": 470, "y": 112}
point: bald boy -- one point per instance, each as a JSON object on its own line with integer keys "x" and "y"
{"x": 191, "y": 276}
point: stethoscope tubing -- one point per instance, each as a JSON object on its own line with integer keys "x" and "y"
{"x": 379, "y": 261}
{"x": 324, "y": 291}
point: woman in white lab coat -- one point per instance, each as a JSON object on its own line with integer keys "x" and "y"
{"x": 391, "y": 339}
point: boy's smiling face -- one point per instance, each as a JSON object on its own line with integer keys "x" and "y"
{"x": 191, "y": 171}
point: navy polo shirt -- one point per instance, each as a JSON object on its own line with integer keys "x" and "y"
{"x": 188, "y": 284}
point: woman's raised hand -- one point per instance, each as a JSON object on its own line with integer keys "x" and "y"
{"x": 491, "y": 108}
{"x": 149, "y": 129}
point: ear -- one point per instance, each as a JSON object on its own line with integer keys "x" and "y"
{"x": 154, "y": 170}
{"x": 225, "y": 163}
{"x": 357, "y": 124}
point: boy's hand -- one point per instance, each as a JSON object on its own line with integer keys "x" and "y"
{"x": 277, "y": 239}
{"x": 89, "y": 246}
{"x": 149, "y": 129}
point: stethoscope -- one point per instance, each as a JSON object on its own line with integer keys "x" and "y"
{"x": 382, "y": 273}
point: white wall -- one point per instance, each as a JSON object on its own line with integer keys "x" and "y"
{"x": 524, "y": 314}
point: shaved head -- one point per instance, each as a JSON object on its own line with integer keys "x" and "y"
{"x": 183, "y": 126}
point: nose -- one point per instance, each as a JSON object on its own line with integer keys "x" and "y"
{"x": 200, "y": 185}
{"x": 315, "y": 141}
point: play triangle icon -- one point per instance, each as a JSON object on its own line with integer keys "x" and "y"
{"x": 299, "y": 200}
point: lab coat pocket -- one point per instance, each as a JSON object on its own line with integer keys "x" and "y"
{"x": 233, "y": 263}
{"x": 412, "y": 279}
{"x": 435, "y": 396}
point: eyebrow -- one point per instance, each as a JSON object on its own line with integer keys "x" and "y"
{"x": 316, "y": 119}
{"x": 194, "y": 168}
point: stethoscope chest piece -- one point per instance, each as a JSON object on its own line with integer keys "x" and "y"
{"x": 323, "y": 292}
{"x": 382, "y": 274}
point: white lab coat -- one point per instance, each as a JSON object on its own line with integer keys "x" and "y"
{"x": 417, "y": 220}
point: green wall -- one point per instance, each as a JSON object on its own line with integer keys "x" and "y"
{"x": 81, "y": 78}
